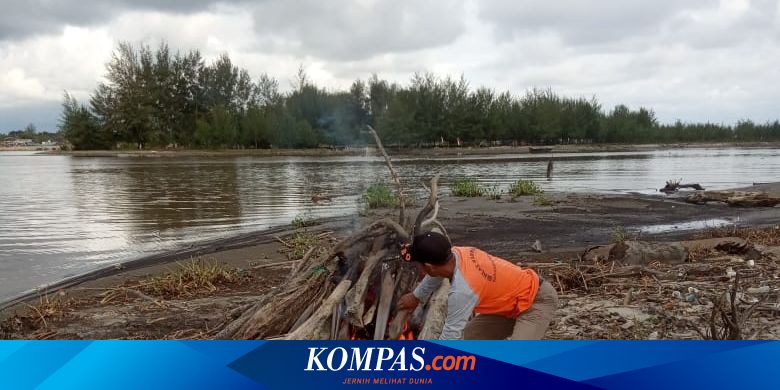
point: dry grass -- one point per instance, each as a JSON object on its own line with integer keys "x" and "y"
{"x": 697, "y": 254}
{"x": 197, "y": 276}
{"x": 300, "y": 243}
{"x": 297, "y": 244}
{"x": 38, "y": 317}
{"x": 769, "y": 236}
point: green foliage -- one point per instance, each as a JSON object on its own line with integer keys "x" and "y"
{"x": 619, "y": 235}
{"x": 467, "y": 187}
{"x": 80, "y": 127}
{"x": 155, "y": 97}
{"x": 254, "y": 129}
{"x": 379, "y": 196}
{"x": 217, "y": 129}
{"x": 524, "y": 188}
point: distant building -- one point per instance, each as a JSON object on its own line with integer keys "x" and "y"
{"x": 11, "y": 142}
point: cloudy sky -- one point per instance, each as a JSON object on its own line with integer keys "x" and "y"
{"x": 692, "y": 60}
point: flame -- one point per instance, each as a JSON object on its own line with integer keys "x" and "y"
{"x": 407, "y": 333}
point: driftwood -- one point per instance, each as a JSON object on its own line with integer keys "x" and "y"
{"x": 436, "y": 313}
{"x": 734, "y": 198}
{"x": 383, "y": 306}
{"x": 313, "y": 326}
{"x": 348, "y": 290}
{"x": 643, "y": 253}
{"x": 398, "y": 324}
{"x": 674, "y": 185}
{"x": 356, "y": 296}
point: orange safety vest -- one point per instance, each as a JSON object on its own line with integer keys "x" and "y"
{"x": 502, "y": 287}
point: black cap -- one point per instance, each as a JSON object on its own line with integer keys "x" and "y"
{"x": 432, "y": 248}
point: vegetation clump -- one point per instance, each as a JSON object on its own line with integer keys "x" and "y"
{"x": 466, "y": 187}
{"x": 524, "y": 188}
{"x": 379, "y": 196}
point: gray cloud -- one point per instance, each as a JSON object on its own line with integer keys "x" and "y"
{"x": 22, "y": 18}
{"x": 352, "y": 30}
{"x": 583, "y": 22}
{"x": 698, "y": 60}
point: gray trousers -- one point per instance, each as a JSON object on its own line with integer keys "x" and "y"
{"x": 530, "y": 325}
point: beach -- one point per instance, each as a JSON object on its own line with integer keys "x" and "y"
{"x": 118, "y": 302}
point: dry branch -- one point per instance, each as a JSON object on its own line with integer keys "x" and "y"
{"x": 429, "y": 207}
{"x": 674, "y": 185}
{"x": 394, "y": 174}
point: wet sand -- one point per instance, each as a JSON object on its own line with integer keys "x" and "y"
{"x": 504, "y": 227}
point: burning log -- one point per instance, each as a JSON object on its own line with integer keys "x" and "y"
{"x": 348, "y": 291}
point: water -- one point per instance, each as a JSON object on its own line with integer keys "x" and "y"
{"x": 62, "y": 216}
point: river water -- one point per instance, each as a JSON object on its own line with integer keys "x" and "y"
{"x": 61, "y": 216}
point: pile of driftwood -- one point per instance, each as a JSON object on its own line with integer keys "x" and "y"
{"x": 350, "y": 291}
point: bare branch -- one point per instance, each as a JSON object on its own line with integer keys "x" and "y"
{"x": 396, "y": 179}
{"x": 430, "y": 206}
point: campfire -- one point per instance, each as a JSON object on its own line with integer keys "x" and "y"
{"x": 350, "y": 291}
{"x": 407, "y": 333}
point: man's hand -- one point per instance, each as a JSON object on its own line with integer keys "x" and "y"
{"x": 408, "y": 302}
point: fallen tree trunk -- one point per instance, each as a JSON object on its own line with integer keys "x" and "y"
{"x": 643, "y": 253}
{"x": 734, "y": 198}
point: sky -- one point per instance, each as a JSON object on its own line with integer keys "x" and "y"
{"x": 693, "y": 60}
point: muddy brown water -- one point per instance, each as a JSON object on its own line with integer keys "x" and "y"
{"x": 62, "y": 216}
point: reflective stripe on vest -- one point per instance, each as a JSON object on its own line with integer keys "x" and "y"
{"x": 502, "y": 287}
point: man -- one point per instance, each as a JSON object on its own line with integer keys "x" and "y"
{"x": 510, "y": 302}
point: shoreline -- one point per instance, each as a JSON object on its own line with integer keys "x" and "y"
{"x": 505, "y": 228}
{"x": 194, "y": 250}
{"x": 402, "y": 152}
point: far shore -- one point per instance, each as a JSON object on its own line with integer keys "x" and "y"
{"x": 435, "y": 151}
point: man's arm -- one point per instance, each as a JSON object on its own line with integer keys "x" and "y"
{"x": 426, "y": 288}
{"x": 460, "y": 304}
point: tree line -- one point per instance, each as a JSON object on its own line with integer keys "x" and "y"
{"x": 159, "y": 98}
{"x": 31, "y": 132}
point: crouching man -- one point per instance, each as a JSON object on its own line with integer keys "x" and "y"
{"x": 510, "y": 302}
